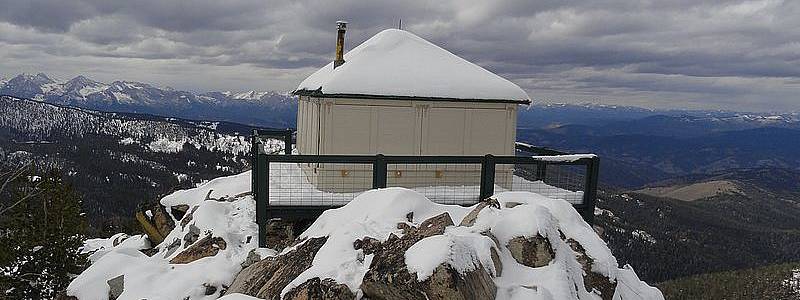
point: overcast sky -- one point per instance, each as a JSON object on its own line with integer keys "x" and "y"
{"x": 736, "y": 55}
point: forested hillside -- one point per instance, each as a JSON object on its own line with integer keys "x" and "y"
{"x": 663, "y": 238}
{"x": 116, "y": 161}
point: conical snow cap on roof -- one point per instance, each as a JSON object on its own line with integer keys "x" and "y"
{"x": 397, "y": 63}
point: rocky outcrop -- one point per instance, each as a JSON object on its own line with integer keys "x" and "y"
{"x": 386, "y": 244}
{"x": 533, "y": 251}
{"x": 447, "y": 283}
{"x": 179, "y": 211}
{"x": 155, "y": 221}
{"x": 267, "y": 278}
{"x": 207, "y": 246}
{"x": 64, "y": 296}
{"x": 280, "y": 234}
{"x": 187, "y": 217}
{"x": 115, "y": 287}
{"x": 315, "y": 288}
{"x": 388, "y": 276}
{"x": 472, "y": 216}
{"x": 592, "y": 281}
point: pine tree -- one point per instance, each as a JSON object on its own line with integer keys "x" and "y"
{"x": 42, "y": 229}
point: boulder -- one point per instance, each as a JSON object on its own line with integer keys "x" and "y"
{"x": 209, "y": 289}
{"x": 533, "y": 252}
{"x": 280, "y": 234}
{"x": 267, "y": 278}
{"x": 64, "y": 296}
{"x": 115, "y": 287}
{"x": 149, "y": 251}
{"x": 498, "y": 265}
{"x": 592, "y": 281}
{"x": 162, "y": 220}
{"x": 388, "y": 276}
{"x": 157, "y": 224}
{"x": 315, "y": 288}
{"x": 188, "y": 217}
{"x": 252, "y": 257}
{"x": 191, "y": 236}
{"x": 207, "y": 246}
{"x": 179, "y": 211}
{"x": 172, "y": 247}
{"x": 446, "y": 283}
{"x": 118, "y": 239}
{"x": 472, "y": 216}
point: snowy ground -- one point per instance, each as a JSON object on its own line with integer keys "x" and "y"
{"x": 374, "y": 213}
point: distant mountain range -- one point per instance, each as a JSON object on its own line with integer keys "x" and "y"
{"x": 279, "y": 109}
{"x": 634, "y": 160}
{"x": 597, "y": 119}
{"x": 266, "y": 109}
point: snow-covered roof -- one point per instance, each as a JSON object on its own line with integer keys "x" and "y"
{"x": 398, "y": 64}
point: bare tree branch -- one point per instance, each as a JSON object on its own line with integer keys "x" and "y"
{"x": 15, "y": 174}
{"x": 31, "y": 193}
{"x": 26, "y": 197}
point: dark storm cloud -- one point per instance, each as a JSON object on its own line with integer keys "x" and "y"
{"x": 657, "y": 53}
{"x": 46, "y": 15}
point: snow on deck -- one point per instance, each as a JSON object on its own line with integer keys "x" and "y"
{"x": 287, "y": 184}
{"x": 398, "y": 63}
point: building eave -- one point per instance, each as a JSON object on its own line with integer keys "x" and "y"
{"x": 319, "y": 93}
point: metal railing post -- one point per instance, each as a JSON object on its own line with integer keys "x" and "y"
{"x": 261, "y": 194}
{"x": 287, "y": 142}
{"x": 541, "y": 171}
{"x": 253, "y": 153}
{"x": 379, "y": 172}
{"x": 487, "y": 177}
{"x": 590, "y": 191}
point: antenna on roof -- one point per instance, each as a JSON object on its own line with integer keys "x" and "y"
{"x": 400, "y": 24}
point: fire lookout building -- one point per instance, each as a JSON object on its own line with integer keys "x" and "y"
{"x": 398, "y": 94}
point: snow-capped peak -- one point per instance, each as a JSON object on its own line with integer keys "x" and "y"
{"x": 248, "y": 95}
{"x": 37, "y": 79}
{"x": 82, "y": 86}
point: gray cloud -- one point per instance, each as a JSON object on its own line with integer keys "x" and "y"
{"x": 675, "y": 53}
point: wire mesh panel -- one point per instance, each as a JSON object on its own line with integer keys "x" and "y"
{"x": 557, "y": 181}
{"x": 302, "y": 186}
{"x": 446, "y": 183}
{"x": 317, "y": 184}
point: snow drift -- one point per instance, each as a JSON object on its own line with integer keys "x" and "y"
{"x": 483, "y": 238}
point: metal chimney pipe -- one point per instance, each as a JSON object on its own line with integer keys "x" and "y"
{"x": 342, "y": 27}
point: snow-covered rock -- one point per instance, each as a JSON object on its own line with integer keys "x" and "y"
{"x": 395, "y": 62}
{"x": 203, "y": 277}
{"x": 342, "y": 250}
{"x": 96, "y": 248}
